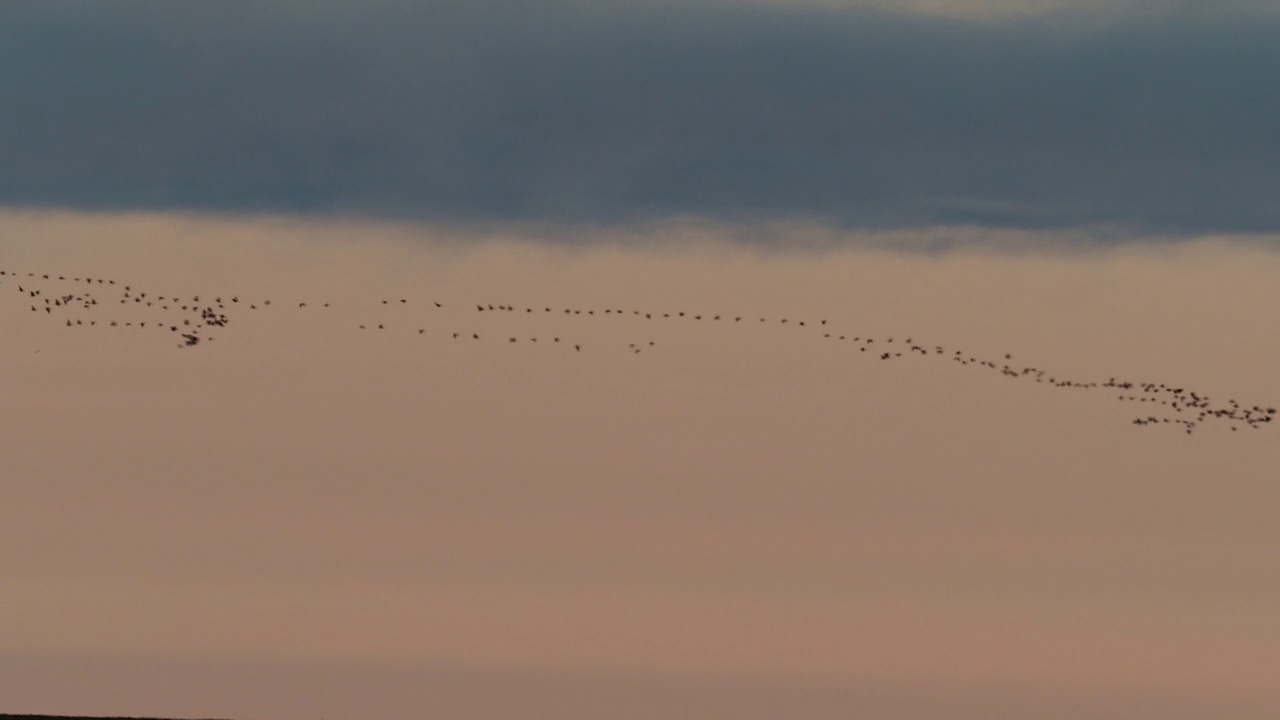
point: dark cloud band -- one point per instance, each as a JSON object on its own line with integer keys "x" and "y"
{"x": 501, "y": 110}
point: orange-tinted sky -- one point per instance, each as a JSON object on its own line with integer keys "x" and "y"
{"x": 305, "y": 519}
{"x": 726, "y": 358}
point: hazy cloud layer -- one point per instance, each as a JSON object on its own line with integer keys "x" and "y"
{"x": 497, "y": 110}
{"x": 745, "y": 520}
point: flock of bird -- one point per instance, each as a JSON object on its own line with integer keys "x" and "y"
{"x": 190, "y": 320}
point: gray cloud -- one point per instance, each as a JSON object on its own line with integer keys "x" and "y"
{"x": 558, "y": 111}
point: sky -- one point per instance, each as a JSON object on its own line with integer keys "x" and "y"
{"x": 385, "y": 495}
{"x": 1151, "y": 117}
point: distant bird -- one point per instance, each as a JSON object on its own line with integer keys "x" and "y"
{"x": 1177, "y": 399}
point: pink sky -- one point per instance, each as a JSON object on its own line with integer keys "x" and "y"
{"x": 303, "y": 519}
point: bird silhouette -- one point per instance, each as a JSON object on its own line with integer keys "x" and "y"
{"x": 1175, "y": 405}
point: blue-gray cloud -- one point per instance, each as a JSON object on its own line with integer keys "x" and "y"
{"x": 559, "y": 111}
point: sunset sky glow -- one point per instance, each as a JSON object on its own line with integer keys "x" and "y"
{"x": 572, "y": 510}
